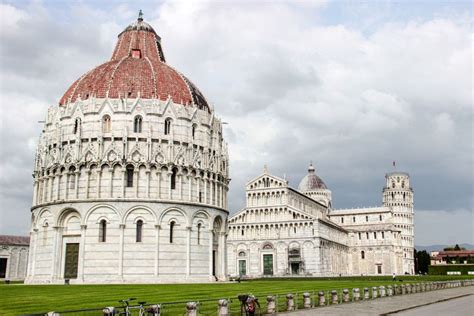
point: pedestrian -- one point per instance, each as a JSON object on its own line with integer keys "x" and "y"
{"x": 393, "y": 277}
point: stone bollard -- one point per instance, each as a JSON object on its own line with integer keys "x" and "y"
{"x": 408, "y": 288}
{"x": 404, "y": 289}
{"x": 155, "y": 310}
{"x": 423, "y": 287}
{"x": 271, "y": 307}
{"x": 108, "y": 311}
{"x": 290, "y": 302}
{"x": 335, "y": 299}
{"x": 374, "y": 292}
{"x": 413, "y": 288}
{"x": 52, "y": 314}
{"x": 389, "y": 290}
{"x": 382, "y": 291}
{"x": 223, "y": 307}
{"x": 306, "y": 300}
{"x": 322, "y": 299}
{"x": 345, "y": 295}
{"x": 366, "y": 293}
{"x": 191, "y": 309}
{"x": 418, "y": 288}
{"x": 396, "y": 289}
{"x": 356, "y": 294}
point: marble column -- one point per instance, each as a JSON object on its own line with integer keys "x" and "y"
{"x": 82, "y": 246}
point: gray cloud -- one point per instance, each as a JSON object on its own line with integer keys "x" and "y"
{"x": 292, "y": 90}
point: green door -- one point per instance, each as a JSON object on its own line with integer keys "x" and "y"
{"x": 268, "y": 264}
{"x": 72, "y": 258}
{"x": 242, "y": 267}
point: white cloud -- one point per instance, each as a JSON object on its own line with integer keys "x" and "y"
{"x": 292, "y": 90}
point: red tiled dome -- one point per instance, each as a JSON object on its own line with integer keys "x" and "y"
{"x": 137, "y": 69}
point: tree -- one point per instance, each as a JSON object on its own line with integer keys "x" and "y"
{"x": 422, "y": 260}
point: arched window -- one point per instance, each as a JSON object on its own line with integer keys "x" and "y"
{"x": 242, "y": 232}
{"x": 193, "y": 131}
{"x": 342, "y": 220}
{"x": 241, "y": 253}
{"x": 403, "y": 184}
{"x": 367, "y": 235}
{"x": 167, "y": 126}
{"x": 171, "y": 231}
{"x": 199, "y": 234}
{"x": 404, "y": 196}
{"x": 102, "y": 230}
{"x": 393, "y": 184}
{"x": 137, "y": 124}
{"x": 383, "y": 235}
{"x": 129, "y": 176}
{"x": 106, "y": 122}
{"x": 173, "y": 179}
{"x": 375, "y": 235}
{"x": 380, "y": 217}
{"x": 139, "y": 230}
{"x": 77, "y": 125}
{"x": 353, "y": 219}
{"x": 362, "y": 254}
{"x": 366, "y": 218}
{"x": 360, "y": 236}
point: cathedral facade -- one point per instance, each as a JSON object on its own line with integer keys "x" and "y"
{"x": 131, "y": 176}
{"x": 287, "y": 232}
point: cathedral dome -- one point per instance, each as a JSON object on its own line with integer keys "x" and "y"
{"x": 137, "y": 69}
{"x": 311, "y": 181}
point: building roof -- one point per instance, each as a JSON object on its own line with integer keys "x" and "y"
{"x": 14, "y": 240}
{"x": 137, "y": 69}
{"x": 358, "y": 211}
{"x": 311, "y": 182}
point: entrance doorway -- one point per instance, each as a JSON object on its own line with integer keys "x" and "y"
{"x": 267, "y": 264}
{"x": 379, "y": 269}
{"x": 72, "y": 259}
{"x": 242, "y": 267}
{"x": 295, "y": 268}
{"x": 3, "y": 268}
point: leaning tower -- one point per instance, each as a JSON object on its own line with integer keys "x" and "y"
{"x": 398, "y": 195}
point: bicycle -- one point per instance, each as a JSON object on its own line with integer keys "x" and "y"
{"x": 152, "y": 310}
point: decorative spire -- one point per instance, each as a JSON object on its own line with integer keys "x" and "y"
{"x": 265, "y": 169}
{"x": 140, "y": 16}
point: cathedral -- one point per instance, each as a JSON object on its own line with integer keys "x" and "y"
{"x": 284, "y": 231}
{"x": 131, "y": 176}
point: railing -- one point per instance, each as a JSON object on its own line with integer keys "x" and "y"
{"x": 270, "y": 304}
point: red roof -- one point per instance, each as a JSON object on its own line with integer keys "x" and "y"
{"x": 14, "y": 240}
{"x": 137, "y": 69}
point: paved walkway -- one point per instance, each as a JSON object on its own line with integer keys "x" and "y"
{"x": 396, "y": 304}
{"x": 456, "y": 306}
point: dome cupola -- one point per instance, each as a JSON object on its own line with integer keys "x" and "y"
{"x": 311, "y": 181}
{"x": 137, "y": 69}
{"x": 312, "y": 186}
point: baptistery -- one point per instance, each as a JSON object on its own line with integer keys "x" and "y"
{"x": 131, "y": 176}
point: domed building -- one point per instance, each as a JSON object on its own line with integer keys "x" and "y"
{"x": 131, "y": 176}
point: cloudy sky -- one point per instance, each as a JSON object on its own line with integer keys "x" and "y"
{"x": 349, "y": 85}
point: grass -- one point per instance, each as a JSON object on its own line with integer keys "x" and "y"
{"x": 21, "y": 299}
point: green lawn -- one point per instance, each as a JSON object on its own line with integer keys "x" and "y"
{"x": 21, "y": 299}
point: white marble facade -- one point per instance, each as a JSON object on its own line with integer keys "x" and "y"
{"x": 283, "y": 231}
{"x": 130, "y": 188}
